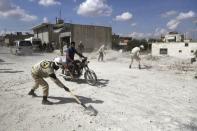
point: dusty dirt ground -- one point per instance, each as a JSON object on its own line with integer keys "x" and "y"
{"x": 160, "y": 97}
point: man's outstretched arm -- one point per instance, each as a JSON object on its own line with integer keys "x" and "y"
{"x": 58, "y": 82}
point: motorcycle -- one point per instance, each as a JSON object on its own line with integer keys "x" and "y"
{"x": 76, "y": 69}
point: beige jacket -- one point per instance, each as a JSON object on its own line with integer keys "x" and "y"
{"x": 43, "y": 68}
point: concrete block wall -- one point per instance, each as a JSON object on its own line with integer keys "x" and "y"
{"x": 176, "y": 49}
{"x": 91, "y": 36}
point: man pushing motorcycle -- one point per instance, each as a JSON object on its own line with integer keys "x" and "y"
{"x": 70, "y": 54}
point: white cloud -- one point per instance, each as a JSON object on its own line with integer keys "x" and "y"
{"x": 195, "y": 21}
{"x": 133, "y": 24}
{"x": 4, "y": 32}
{"x": 126, "y": 16}
{"x": 136, "y": 34}
{"x": 183, "y": 16}
{"x": 94, "y": 8}
{"x": 8, "y": 10}
{"x": 159, "y": 31}
{"x": 5, "y": 5}
{"x": 169, "y": 13}
{"x": 173, "y": 23}
{"x": 45, "y": 20}
{"x": 139, "y": 35}
{"x": 155, "y": 34}
{"x": 49, "y": 2}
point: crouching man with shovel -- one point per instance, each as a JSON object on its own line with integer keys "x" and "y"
{"x": 46, "y": 69}
{"x": 135, "y": 54}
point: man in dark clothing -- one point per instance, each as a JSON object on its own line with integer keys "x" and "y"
{"x": 44, "y": 46}
{"x": 70, "y": 54}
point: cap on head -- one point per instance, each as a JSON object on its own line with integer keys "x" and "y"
{"x": 141, "y": 46}
{"x": 58, "y": 61}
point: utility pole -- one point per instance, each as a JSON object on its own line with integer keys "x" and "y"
{"x": 60, "y": 40}
{"x": 5, "y": 31}
{"x": 60, "y": 13}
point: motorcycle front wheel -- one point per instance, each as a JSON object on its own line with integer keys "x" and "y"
{"x": 90, "y": 77}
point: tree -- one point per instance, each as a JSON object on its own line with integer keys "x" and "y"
{"x": 136, "y": 43}
{"x": 115, "y": 42}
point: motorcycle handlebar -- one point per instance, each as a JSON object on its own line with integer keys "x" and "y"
{"x": 84, "y": 59}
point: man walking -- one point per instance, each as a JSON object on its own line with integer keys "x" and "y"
{"x": 81, "y": 47}
{"x": 101, "y": 52}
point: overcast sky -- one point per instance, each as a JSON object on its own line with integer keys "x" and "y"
{"x": 137, "y": 18}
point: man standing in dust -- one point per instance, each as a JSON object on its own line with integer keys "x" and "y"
{"x": 42, "y": 70}
{"x": 81, "y": 47}
{"x": 101, "y": 52}
{"x": 135, "y": 53}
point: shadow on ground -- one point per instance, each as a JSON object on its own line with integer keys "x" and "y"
{"x": 99, "y": 83}
{"x": 191, "y": 126}
{"x": 9, "y": 71}
{"x": 102, "y": 82}
{"x": 6, "y": 63}
{"x": 1, "y": 60}
{"x": 64, "y": 100}
{"x": 5, "y": 69}
{"x": 4, "y": 53}
{"x": 146, "y": 67}
{"x": 37, "y": 54}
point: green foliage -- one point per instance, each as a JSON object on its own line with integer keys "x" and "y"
{"x": 135, "y": 42}
{"x": 115, "y": 43}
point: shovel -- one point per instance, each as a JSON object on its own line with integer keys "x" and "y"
{"x": 90, "y": 109}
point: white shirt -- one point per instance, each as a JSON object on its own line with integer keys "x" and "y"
{"x": 135, "y": 51}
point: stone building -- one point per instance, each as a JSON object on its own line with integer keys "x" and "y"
{"x": 62, "y": 33}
